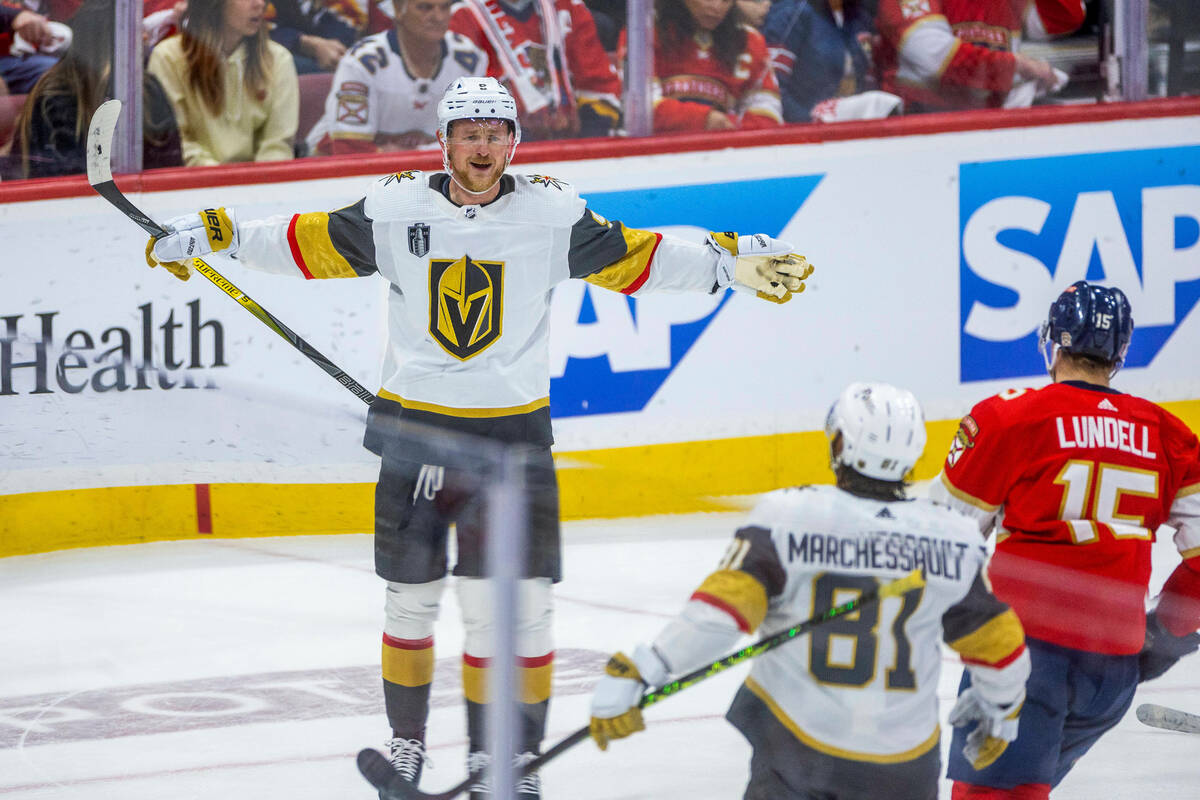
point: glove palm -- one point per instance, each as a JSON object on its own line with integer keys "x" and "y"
{"x": 997, "y": 725}
{"x": 759, "y": 264}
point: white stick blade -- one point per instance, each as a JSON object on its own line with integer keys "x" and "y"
{"x": 99, "y": 141}
{"x": 1169, "y": 719}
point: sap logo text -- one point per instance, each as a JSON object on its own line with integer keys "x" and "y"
{"x": 1030, "y": 228}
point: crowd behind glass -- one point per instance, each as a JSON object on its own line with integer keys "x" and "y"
{"x": 230, "y": 81}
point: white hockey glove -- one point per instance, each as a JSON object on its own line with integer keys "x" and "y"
{"x": 759, "y": 264}
{"x": 997, "y": 725}
{"x": 213, "y": 230}
{"x": 615, "y": 711}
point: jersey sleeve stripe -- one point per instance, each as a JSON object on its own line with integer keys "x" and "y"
{"x": 969, "y": 499}
{"x": 736, "y": 593}
{"x": 627, "y": 274}
{"x": 997, "y": 641}
{"x": 297, "y": 256}
{"x": 1187, "y": 491}
{"x": 312, "y": 239}
{"x": 1004, "y": 662}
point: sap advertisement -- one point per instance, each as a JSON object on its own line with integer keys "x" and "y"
{"x": 936, "y": 257}
{"x": 1030, "y": 226}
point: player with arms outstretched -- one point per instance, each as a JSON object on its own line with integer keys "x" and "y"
{"x": 471, "y": 254}
{"x": 851, "y": 713}
{"x": 1076, "y": 477}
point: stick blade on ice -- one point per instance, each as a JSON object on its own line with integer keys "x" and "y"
{"x": 1169, "y": 719}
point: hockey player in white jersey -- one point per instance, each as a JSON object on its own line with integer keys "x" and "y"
{"x": 471, "y": 254}
{"x": 850, "y": 712}
{"x": 385, "y": 91}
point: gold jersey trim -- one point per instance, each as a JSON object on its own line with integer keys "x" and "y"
{"x": 468, "y": 413}
{"x": 828, "y": 749}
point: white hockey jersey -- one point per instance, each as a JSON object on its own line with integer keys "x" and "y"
{"x": 861, "y": 687}
{"x": 468, "y": 308}
{"x": 376, "y": 104}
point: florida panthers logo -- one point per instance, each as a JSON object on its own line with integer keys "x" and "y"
{"x": 465, "y": 304}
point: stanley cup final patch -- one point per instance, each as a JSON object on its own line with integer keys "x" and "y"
{"x": 418, "y": 239}
{"x": 465, "y": 304}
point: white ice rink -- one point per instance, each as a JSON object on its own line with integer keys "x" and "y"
{"x": 248, "y": 670}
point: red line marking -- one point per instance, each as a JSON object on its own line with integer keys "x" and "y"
{"x": 203, "y": 509}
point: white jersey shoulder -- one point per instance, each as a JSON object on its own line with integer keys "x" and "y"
{"x": 543, "y": 199}
{"x": 400, "y": 196}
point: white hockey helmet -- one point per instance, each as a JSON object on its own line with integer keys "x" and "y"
{"x": 477, "y": 98}
{"x": 882, "y": 427}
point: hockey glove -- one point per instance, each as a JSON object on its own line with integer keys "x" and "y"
{"x": 997, "y": 725}
{"x": 759, "y": 264}
{"x": 615, "y": 711}
{"x": 1162, "y": 648}
{"x": 213, "y": 230}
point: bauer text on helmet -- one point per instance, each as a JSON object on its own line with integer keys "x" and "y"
{"x": 882, "y": 427}
{"x": 477, "y": 98}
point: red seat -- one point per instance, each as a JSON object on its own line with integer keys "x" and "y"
{"x": 314, "y": 88}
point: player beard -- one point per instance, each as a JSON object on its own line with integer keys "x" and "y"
{"x": 477, "y": 175}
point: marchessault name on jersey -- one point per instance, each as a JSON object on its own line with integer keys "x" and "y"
{"x": 1109, "y": 432}
{"x": 942, "y": 558}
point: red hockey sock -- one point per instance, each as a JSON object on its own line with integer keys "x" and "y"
{"x": 1026, "y": 791}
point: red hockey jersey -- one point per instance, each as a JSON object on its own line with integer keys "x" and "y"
{"x": 957, "y": 54}
{"x": 516, "y": 43}
{"x": 689, "y": 82}
{"x": 1079, "y": 477}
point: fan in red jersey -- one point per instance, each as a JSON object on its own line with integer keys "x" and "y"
{"x": 1076, "y": 477}
{"x": 958, "y": 54}
{"x": 711, "y": 71}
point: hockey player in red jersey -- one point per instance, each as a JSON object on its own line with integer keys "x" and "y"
{"x": 850, "y": 712}
{"x": 960, "y": 54}
{"x": 1075, "y": 478}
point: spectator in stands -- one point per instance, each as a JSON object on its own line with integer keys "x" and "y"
{"x": 956, "y": 54}
{"x": 820, "y": 49}
{"x": 753, "y": 12}
{"x": 51, "y": 131}
{"x": 316, "y": 32}
{"x": 710, "y": 70}
{"x": 547, "y": 53}
{"x": 609, "y": 16}
{"x": 384, "y": 89}
{"x": 234, "y": 91}
{"x": 160, "y": 19}
{"x": 24, "y": 60}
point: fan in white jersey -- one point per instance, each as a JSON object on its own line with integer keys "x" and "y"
{"x": 471, "y": 255}
{"x": 851, "y": 711}
{"x": 386, "y": 89}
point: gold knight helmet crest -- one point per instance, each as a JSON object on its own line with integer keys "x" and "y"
{"x": 465, "y": 304}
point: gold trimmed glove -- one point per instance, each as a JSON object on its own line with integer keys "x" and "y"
{"x": 758, "y": 264}
{"x": 615, "y": 710}
{"x": 997, "y": 725}
{"x": 213, "y": 230}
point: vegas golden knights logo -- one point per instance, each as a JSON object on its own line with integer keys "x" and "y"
{"x": 465, "y": 304}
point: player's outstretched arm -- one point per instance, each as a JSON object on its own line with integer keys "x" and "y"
{"x": 759, "y": 264}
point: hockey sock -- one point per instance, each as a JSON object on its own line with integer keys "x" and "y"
{"x": 407, "y": 680}
{"x": 1025, "y": 791}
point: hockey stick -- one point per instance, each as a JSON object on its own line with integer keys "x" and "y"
{"x": 99, "y": 171}
{"x": 375, "y": 767}
{"x": 1169, "y": 719}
